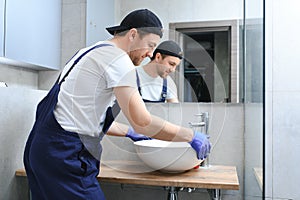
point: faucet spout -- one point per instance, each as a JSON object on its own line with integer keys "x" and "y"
{"x": 196, "y": 124}
{"x": 203, "y": 124}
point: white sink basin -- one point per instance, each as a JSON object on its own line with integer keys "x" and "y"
{"x": 171, "y": 157}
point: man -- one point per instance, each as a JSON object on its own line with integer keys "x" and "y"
{"x": 153, "y": 82}
{"x": 62, "y": 153}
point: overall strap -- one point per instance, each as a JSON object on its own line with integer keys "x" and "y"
{"x": 164, "y": 90}
{"x": 79, "y": 58}
{"x": 138, "y": 82}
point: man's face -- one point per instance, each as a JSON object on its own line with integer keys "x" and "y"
{"x": 143, "y": 47}
{"x": 166, "y": 65}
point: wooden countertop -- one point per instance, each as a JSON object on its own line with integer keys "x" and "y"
{"x": 134, "y": 172}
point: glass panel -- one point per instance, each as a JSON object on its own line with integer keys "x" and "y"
{"x": 2, "y": 25}
{"x": 253, "y": 96}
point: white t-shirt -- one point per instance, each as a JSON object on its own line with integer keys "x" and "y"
{"x": 87, "y": 91}
{"x": 151, "y": 88}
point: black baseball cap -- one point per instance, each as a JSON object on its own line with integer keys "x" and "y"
{"x": 170, "y": 48}
{"x": 142, "y": 19}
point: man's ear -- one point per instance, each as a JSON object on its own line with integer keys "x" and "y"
{"x": 132, "y": 34}
{"x": 158, "y": 56}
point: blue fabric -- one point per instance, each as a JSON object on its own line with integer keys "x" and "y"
{"x": 134, "y": 136}
{"x": 59, "y": 165}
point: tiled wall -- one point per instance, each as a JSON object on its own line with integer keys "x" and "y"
{"x": 226, "y": 136}
{"x": 179, "y": 11}
{"x": 225, "y": 128}
{"x": 230, "y": 141}
{"x": 282, "y": 97}
{"x": 17, "y": 108}
{"x": 18, "y": 77}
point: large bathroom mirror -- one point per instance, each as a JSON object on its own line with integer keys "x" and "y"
{"x": 222, "y": 73}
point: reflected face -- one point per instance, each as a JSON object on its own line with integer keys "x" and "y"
{"x": 166, "y": 65}
{"x": 143, "y": 47}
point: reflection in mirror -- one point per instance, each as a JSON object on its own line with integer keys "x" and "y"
{"x": 210, "y": 69}
{"x": 223, "y": 63}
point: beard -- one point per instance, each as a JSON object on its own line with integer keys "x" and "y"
{"x": 135, "y": 59}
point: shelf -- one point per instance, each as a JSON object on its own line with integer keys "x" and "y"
{"x": 7, "y": 61}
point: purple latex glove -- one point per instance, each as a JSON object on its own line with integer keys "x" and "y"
{"x": 136, "y": 136}
{"x": 201, "y": 145}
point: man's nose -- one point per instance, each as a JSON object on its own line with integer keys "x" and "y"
{"x": 172, "y": 69}
{"x": 150, "y": 54}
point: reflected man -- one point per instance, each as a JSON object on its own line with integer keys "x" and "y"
{"x": 153, "y": 80}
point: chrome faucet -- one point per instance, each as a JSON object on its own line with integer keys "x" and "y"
{"x": 202, "y": 123}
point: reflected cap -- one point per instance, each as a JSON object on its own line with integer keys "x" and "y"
{"x": 142, "y": 19}
{"x": 169, "y": 48}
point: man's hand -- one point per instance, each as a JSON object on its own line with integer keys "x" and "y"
{"x": 201, "y": 145}
{"x": 136, "y": 136}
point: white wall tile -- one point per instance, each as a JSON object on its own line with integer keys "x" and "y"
{"x": 286, "y": 144}
{"x": 269, "y": 144}
{"x": 286, "y": 45}
{"x": 216, "y": 10}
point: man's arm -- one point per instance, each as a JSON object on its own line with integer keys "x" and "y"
{"x": 172, "y": 91}
{"x": 117, "y": 129}
{"x": 174, "y": 100}
{"x": 143, "y": 122}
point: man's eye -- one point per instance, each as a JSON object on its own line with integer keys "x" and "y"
{"x": 151, "y": 46}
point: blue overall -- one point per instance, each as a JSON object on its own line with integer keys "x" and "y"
{"x": 62, "y": 165}
{"x": 163, "y": 92}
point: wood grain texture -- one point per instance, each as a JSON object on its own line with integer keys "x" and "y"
{"x": 213, "y": 177}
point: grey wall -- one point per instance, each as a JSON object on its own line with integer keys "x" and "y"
{"x": 16, "y": 127}
{"x": 73, "y": 29}
{"x": 282, "y": 100}
{"x": 232, "y": 116}
{"x": 95, "y": 23}
{"x": 18, "y": 101}
{"x": 183, "y": 11}
{"x": 226, "y": 137}
{"x": 17, "y": 108}
{"x": 18, "y": 77}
